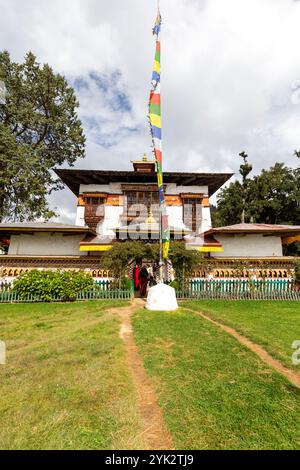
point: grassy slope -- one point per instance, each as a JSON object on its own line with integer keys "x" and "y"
{"x": 215, "y": 394}
{"x": 66, "y": 384}
{"x": 275, "y": 325}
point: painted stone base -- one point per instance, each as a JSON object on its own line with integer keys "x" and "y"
{"x": 161, "y": 297}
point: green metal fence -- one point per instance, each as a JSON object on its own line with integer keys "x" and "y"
{"x": 239, "y": 289}
{"x": 230, "y": 289}
{"x": 105, "y": 284}
{"x": 96, "y": 294}
{"x": 93, "y": 294}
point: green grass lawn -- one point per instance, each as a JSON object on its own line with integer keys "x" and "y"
{"x": 66, "y": 384}
{"x": 274, "y": 324}
{"x": 215, "y": 394}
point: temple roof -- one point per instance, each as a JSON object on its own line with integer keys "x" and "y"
{"x": 74, "y": 178}
{"x": 25, "y": 227}
{"x": 255, "y": 228}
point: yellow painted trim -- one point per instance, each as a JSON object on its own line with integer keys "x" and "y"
{"x": 258, "y": 258}
{"x": 95, "y": 247}
{"x": 94, "y": 195}
{"x": 210, "y": 248}
{"x": 142, "y": 232}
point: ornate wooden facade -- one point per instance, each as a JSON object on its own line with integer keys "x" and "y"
{"x": 278, "y": 268}
{"x": 13, "y": 267}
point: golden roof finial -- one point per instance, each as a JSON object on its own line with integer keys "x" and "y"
{"x": 150, "y": 220}
{"x": 145, "y": 158}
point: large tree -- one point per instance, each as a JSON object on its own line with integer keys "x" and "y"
{"x": 245, "y": 169}
{"x": 39, "y": 129}
{"x": 271, "y": 197}
{"x": 274, "y": 196}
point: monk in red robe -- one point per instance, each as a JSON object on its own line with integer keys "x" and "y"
{"x": 143, "y": 278}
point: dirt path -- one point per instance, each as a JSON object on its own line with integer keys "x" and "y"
{"x": 292, "y": 376}
{"x": 155, "y": 432}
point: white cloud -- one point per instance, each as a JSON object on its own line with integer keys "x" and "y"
{"x": 227, "y": 85}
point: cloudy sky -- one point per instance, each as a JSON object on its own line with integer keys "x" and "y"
{"x": 231, "y": 77}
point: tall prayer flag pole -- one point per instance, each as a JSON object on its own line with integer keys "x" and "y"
{"x": 155, "y": 126}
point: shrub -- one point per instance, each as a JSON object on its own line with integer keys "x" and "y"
{"x": 121, "y": 254}
{"x": 123, "y": 283}
{"x": 175, "y": 284}
{"x": 126, "y": 283}
{"x": 47, "y": 284}
{"x": 183, "y": 261}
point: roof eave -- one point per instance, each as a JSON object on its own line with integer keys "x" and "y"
{"x": 73, "y": 178}
{"x": 83, "y": 230}
{"x": 275, "y": 232}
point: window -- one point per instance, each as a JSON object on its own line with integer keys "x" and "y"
{"x": 192, "y": 213}
{"x": 94, "y": 210}
{"x": 149, "y": 199}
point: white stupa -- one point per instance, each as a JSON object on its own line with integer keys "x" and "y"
{"x": 161, "y": 297}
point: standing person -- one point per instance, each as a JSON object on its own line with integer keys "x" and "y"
{"x": 143, "y": 278}
{"x": 136, "y": 273}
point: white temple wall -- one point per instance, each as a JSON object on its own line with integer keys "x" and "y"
{"x": 112, "y": 219}
{"x": 175, "y": 214}
{"x": 115, "y": 188}
{"x": 254, "y": 245}
{"x": 111, "y": 188}
{"x": 113, "y": 213}
{"x": 80, "y": 216}
{"x": 205, "y": 219}
{"x": 174, "y": 189}
{"x": 45, "y": 244}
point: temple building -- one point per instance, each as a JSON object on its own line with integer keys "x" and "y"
{"x": 123, "y": 205}
{"x": 114, "y": 206}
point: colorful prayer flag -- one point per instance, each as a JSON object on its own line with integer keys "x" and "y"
{"x": 155, "y": 126}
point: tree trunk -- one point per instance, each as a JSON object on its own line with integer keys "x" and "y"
{"x": 243, "y": 216}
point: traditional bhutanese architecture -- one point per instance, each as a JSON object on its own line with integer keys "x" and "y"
{"x": 246, "y": 240}
{"x": 108, "y": 211}
{"x": 34, "y": 245}
{"x": 146, "y": 204}
{"x": 245, "y": 250}
{"x": 114, "y": 206}
{"x": 111, "y": 201}
{"x": 254, "y": 240}
{"x": 42, "y": 239}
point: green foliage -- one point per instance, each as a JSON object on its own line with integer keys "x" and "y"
{"x": 230, "y": 206}
{"x": 175, "y": 284}
{"x": 39, "y": 129}
{"x": 215, "y": 216}
{"x": 183, "y": 260}
{"x": 275, "y": 195}
{"x": 246, "y": 167}
{"x": 46, "y": 284}
{"x": 126, "y": 283}
{"x": 292, "y": 249}
{"x": 121, "y": 254}
{"x": 272, "y": 197}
